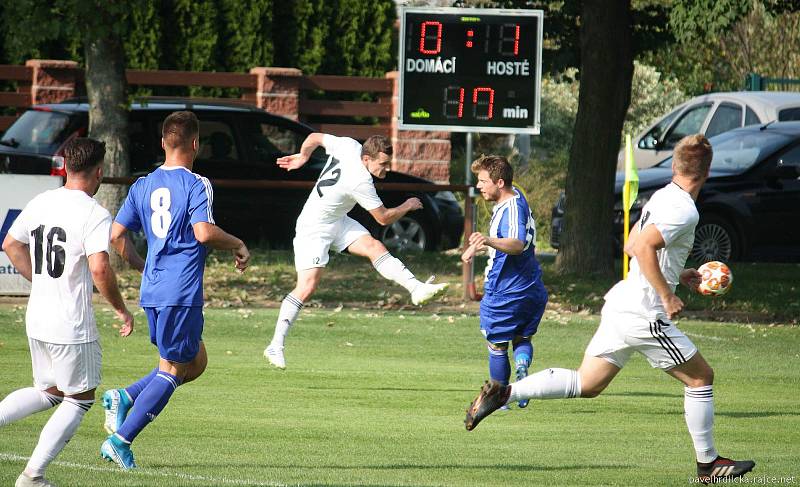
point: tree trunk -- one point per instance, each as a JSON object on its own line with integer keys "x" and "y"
{"x": 106, "y": 87}
{"x": 605, "y": 75}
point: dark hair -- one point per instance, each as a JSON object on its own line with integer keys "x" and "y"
{"x": 375, "y": 145}
{"x": 179, "y": 129}
{"x": 497, "y": 167}
{"x": 83, "y": 154}
{"x": 692, "y": 156}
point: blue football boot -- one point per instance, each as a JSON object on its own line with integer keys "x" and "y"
{"x": 522, "y": 372}
{"x": 117, "y": 451}
{"x": 116, "y": 404}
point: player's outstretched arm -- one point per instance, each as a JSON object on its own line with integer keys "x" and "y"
{"x": 19, "y": 255}
{"x": 296, "y": 161}
{"x": 123, "y": 245}
{"x": 217, "y": 238}
{"x": 387, "y": 216}
{"x": 106, "y": 282}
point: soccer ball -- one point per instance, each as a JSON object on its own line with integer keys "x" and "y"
{"x": 716, "y": 278}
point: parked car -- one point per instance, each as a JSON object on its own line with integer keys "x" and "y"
{"x": 710, "y": 114}
{"x": 237, "y": 142}
{"x": 749, "y": 206}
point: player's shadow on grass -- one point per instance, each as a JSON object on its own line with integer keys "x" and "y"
{"x": 409, "y": 389}
{"x": 754, "y": 414}
{"x": 417, "y": 466}
{"x": 642, "y": 394}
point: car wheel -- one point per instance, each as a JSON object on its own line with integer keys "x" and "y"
{"x": 405, "y": 235}
{"x": 715, "y": 239}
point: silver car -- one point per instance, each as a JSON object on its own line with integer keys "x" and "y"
{"x": 710, "y": 114}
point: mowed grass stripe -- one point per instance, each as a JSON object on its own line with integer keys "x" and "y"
{"x": 371, "y": 398}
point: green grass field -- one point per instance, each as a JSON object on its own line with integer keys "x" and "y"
{"x": 378, "y": 398}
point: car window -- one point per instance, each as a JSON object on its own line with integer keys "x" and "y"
{"x": 216, "y": 142}
{"x": 727, "y": 117}
{"x": 141, "y": 155}
{"x": 650, "y": 140}
{"x": 750, "y": 117}
{"x": 38, "y": 132}
{"x": 789, "y": 114}
{"x": 736, "y": 151}
{"x": 791, "y": 157}
{"x": 690, "y": 123}
{"x": 271, "y": 141}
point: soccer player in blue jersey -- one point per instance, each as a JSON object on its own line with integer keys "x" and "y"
{"x": 173, "y": 206}
{"x": 514, "y": 296}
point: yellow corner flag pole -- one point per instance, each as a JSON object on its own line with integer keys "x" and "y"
{"x": 629, "y": 192}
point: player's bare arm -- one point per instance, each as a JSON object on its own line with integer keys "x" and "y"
{"x": 213, "y": 236}
{"x": 387, "y": 216}
{"x": 19, "y": 255}
{"x": 507, "y": 245}
{"x": 691, "y": 278}
{"x": 106, "y": 282}
{"x": 644, "y": 249}
{"x": 632, "y": 239}
{"x": 296, "y": 161}
{"x": 123, "y": 245}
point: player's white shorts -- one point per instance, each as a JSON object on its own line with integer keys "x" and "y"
{"x": 621, "y": 333}
{"x": 73, "y": 368}
{"x": 311, "y": 245}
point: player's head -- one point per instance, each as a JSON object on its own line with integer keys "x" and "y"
{"x": 495, "y": 176}
{"x": 180, "y": 133}
{"x": 376, "y": 154}
{"x": 83, "y": 158}
{"x": 691, "y": 158}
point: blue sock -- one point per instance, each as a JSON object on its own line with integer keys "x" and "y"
{"x": 137, "y": 387}
{"x": 499, "y": 369}
{"x": 523, "y": 353}
{"x": 151, "y": 402}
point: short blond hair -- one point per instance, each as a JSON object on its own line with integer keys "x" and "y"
{"x": 497, "y": 167}
{"x": 692, "y": 156}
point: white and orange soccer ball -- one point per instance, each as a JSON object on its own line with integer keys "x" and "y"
{"x": 716, "y": 278}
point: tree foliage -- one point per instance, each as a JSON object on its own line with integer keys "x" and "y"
{"x": 349, "y": 37}
{"x": 764, "y": 40}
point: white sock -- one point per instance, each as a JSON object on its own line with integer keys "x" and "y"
{"x": 56, "y": 433}
{"x": 24, "y": 402}
{"x": 392, "y": 269}
{"x": 290, "y": 308}
{"x": 547, "y": 384}
{"x": 698, "y": 407}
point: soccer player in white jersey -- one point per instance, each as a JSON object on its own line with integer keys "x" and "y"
{"x": 514, "y": 295}
{"x": 59, "y": 242}
{"x": 637, "y": 316}
{"x": 323, "y": 224}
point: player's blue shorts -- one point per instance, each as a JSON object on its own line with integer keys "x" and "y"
{"x": 176, "y": 331}
{"x": 508, "y": 315}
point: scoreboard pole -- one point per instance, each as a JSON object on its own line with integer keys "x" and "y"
{"x": 470, "y": 222}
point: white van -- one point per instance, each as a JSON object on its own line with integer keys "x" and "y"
{"x": 710, "y": 114}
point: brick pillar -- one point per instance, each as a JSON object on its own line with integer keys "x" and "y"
{"x": 53, "y": 80}
{"x": 419, "y": 152}
{"x": 277, "y": 91}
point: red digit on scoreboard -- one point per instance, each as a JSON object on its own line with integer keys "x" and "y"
{"x": 488, "y": 103}
{"x": 423, "y": 37}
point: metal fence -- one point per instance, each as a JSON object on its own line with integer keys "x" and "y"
{"x": 756, "y": 82}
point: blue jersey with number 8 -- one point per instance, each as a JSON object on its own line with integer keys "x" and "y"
{"x": 164, "y": 205}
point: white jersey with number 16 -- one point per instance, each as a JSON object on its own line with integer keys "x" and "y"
{"x": 62, "y": 228}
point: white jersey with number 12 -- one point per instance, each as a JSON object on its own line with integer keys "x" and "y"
{"x": 343, "y": 182}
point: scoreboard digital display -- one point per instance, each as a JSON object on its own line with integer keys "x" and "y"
{"x": 470, "y": 70}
